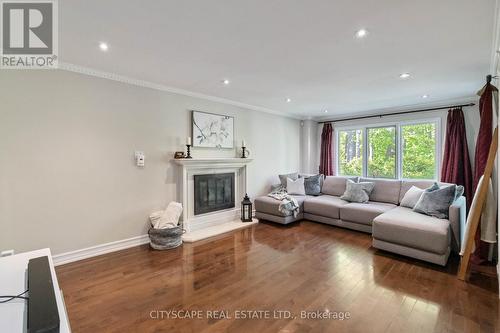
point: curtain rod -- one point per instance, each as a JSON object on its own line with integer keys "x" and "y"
{"x": 397, "y": 113}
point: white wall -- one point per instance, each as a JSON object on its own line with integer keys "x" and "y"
{"x": 471, "y": 115}
{"x": 309, "y": 146}
{"x": 67, "y": 173}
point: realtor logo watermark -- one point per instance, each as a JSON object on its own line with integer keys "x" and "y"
{"x": 28, "y": 34}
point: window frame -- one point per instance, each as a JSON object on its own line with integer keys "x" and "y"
{"x": 399, "y": 145}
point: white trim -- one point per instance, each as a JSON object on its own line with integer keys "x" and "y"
{"x": 97, "y": 250}
{"x": 495, "y": 43}
{"x": 147, "y": 84}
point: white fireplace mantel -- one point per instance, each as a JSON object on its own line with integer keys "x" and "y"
{"x": 188, "y": 168}
{"x": 211, "y": 161}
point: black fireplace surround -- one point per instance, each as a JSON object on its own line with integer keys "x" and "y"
{"x": 213, "y": 192}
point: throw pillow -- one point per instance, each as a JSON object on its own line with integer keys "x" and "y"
{"x": 357, "y": 192}
{"x": 434, "y": 187}
{"x": 312, "y": 184}
{"x": 436, "y": 203}
{"x": 277, "y": 188}
{"x": 459, "y": 192}
{"x": 295, "y": 186}
{"x": 411, "y": 197}
{"x": 292, "y": 176}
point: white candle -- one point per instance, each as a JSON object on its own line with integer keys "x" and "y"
{"x": 188, "y": 141}
{"x": 243, "y": 143}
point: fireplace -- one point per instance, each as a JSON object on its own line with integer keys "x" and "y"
{"x": 213, "y": 192}
{"x": 207, "y": 205}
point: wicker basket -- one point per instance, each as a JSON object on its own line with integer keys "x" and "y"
{"x": 164, "y": 239}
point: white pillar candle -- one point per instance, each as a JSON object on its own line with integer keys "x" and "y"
{"x": 188, "y": 141}
{"x": 243, "y": 143}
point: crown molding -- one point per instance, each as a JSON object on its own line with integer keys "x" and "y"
{"x": 410, "y": 107}
{"x": 151, "y": 85}
{"x": 495, "y": 43}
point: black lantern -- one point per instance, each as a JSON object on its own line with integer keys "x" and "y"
{"x": 246, "y": 209}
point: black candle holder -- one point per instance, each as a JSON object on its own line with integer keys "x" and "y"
{"x": 243, "y": 152}
{"x": 188, "y": 155}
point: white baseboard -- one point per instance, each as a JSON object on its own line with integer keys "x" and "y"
{"x": 97, "y": 250}
{"x": 67, "y": 257}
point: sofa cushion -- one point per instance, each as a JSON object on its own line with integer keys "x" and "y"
{"x": 385, "y": 190}
{"x": 270, "y": 205}
{"x": 335, "y": 185}
{"x": 437, "y": 202}
{"x": 312, "y": 184}
{"x": 405, "y": 227}
{"x": 423, "y": 184}
{"x": 295, "y": 186}
{"x": 357, "y": 192}
{"x": 324, "y": 205}
{"x": 292, "y": 176}
{"x": 411, "y": 197}
{"x": 364, "y": 212}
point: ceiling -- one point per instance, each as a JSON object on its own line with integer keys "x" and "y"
{"x": 271, "y": 50}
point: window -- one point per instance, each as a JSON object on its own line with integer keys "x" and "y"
{"x": 396, "y": 151}
{"x": 350, "y": 148}
{"x": 382, "y": 152}
{"x": 419, "y": 151}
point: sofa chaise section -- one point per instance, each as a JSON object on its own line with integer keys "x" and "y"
{"x": 267, "y": 208}
{"x": 405, "y": 232}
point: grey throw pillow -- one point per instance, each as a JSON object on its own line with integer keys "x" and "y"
{"x": 292, "y": 176}
{"x": 436, "y": 203}
{"x": 277, "y": 188}
{"x": 459, "y": 191}
{"x": 357, "y": 192}
{"x": 433, "y": 187}
{"x": 312, "y": 184}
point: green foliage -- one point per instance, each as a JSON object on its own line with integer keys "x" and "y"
{"x": 351, "y": 153}
{"x": 419, "y": 151}
{"x": 382, "y": 152}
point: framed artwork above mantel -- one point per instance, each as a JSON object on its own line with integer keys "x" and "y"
{"x": 210, "y": 130}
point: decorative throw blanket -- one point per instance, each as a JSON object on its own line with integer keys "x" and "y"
{"x": 288, "y": 205}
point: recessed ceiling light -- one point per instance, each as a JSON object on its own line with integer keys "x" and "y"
{"x": 325, "y": 111}
{"x": 425, "y": 96}
{"x": 225, "y": 81}
{"x": 361, "y": 33}
{"x": 103, "y": 46}
{"x": 288, "y": 100}
{"x": 404, "y": 75}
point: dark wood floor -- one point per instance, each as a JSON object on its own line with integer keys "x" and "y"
{"x": 302, "y": 267}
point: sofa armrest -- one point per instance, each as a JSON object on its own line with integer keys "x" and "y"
{"x": 457, "y": 220}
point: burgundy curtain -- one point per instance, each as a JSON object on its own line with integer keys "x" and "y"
{"x": 481, "y": 156}
{"x": 326, "y": 158}
{"x": 456, "y": 166}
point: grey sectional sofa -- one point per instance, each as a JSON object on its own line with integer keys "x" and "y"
{"x": 394, "y": 228}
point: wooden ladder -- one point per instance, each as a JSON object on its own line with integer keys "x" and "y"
{"x": 475, "y": 214}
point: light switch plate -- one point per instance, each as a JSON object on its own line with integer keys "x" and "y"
{"x": 139, "y": 158}
{"x": 7, "y": 253}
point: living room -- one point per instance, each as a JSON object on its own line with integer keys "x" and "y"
{"x": 230, "y": 166}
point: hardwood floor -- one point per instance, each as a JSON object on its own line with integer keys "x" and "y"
{"x": 303, "y": 267}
